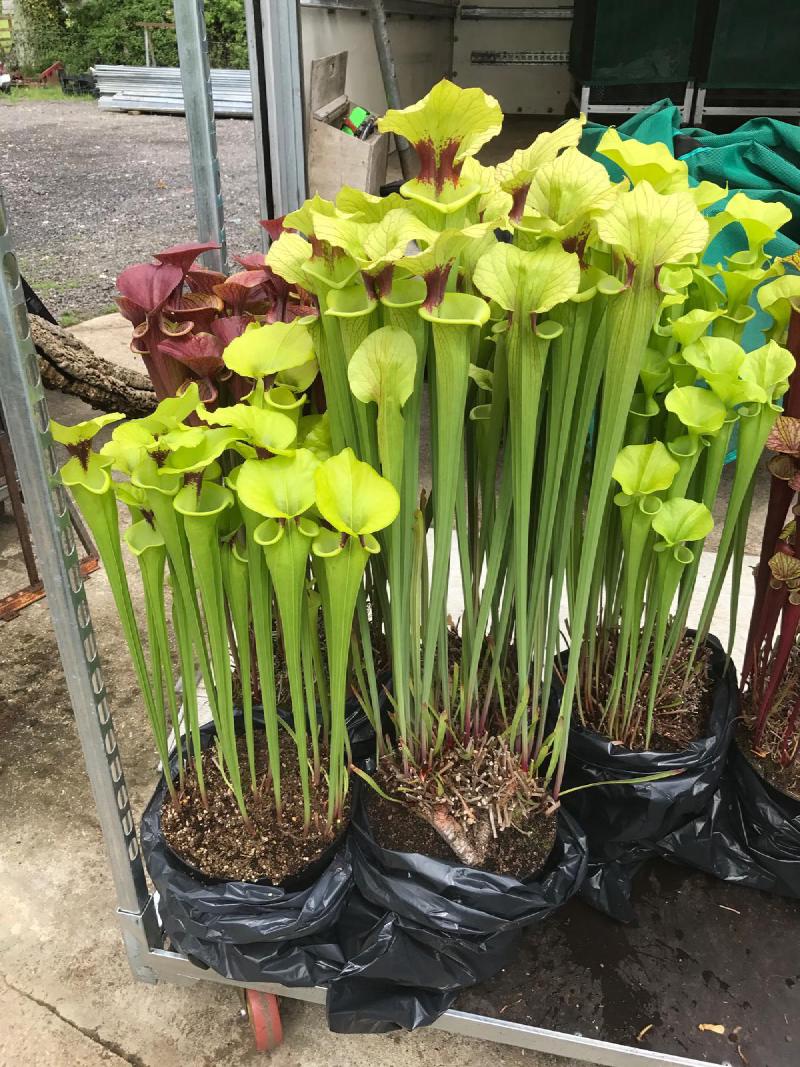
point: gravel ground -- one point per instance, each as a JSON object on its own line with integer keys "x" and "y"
{"x": 90, "y": 192}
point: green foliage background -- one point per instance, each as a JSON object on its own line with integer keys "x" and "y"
{"x": 43, "y": 25}
{"x": 83, "y": 32}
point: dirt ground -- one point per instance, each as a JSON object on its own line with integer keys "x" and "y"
{"x": 90, "y": 192}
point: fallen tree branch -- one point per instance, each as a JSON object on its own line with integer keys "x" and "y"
{"x": 70, "y": 366}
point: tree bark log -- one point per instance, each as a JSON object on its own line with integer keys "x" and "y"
{"x": 70, "y": 366}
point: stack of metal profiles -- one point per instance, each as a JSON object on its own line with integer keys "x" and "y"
{"x": 159, "y": 89}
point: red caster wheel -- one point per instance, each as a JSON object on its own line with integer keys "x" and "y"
{"x": 264, "y": 1014}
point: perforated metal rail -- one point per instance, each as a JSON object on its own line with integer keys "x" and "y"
{"x": 25, "y": 411}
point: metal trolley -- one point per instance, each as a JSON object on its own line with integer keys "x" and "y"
{"x": 25, "y": 408}
{"x": 27, "y": 420}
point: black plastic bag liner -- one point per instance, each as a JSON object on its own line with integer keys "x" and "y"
{"x": 625, "y": 823}
{"x": 418, "y": 930}
{"x": 250, "y": 931}
{"x": 749, "y": 833}
{"x": 360, "y": 730}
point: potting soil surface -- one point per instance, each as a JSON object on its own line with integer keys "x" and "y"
{"x": 702, "y": 954}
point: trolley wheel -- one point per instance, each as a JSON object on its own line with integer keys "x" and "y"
{"x": 264, "y": 1014}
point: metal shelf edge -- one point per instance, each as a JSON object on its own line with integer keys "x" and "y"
{"x": 421, "y": 8}
{"x": 497, "y": 14}
{"x": 173, "y": 967}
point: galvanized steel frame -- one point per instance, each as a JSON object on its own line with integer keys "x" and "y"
{"x": 190, "y": 27}
{"x": 266, "y": 205}
{"x": 582, "y": 96}
{"x": 701, "y": 108}
{"x": 280, "y": 33}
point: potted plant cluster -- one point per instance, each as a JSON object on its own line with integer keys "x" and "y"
{"x": 576, "y": 366}
{"x": 647, "y": 695}
{"x": 764, "y": 766}
{"x": 749, "y": 832}
{"x": 771, "y": 672}
{"x": 263, "y": 559}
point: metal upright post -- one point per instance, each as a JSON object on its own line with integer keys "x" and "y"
{"x": 255, "y": 54}
{"x": 383, "y": 44}
{"x": 27, "y": 420}
{"x": 283, "y": 80}
{"x": 190, "y": 27}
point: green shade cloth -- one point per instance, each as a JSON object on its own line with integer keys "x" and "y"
{"x": 754, "y": 46}
{"x": 623, "y": 42}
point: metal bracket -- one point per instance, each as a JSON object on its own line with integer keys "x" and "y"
{"x": 508, "y": 59}
{"x": 701, "y": 109}
{"x": 534, "y": 14}
{"x": 141, "y": 932}
{"x": 586, "y": 107}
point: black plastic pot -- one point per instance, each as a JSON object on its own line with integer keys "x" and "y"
{"x": 418, "y": 930}
{"x": 250, "y": 931}
{"x": 624, "y": 824}
{"x": 749, "y": 833}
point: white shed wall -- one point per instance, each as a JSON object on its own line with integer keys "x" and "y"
{"x": 422, "y": 52}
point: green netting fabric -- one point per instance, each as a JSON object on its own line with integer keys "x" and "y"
{"x": 760, "y": 158}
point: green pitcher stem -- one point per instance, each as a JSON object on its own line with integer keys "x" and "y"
{"x": 669, "y": 570}
{"x": 333, "y": 367}
{"x": 151, "y": 564}
{"x": 186, "y": 659}
{"x": 235, "y": 583}
{"x": 287, "y": 560}
{"x": 452, "y": 347}
{"x": 715, "y": 456}
{"x": 344, "y": 575}
{"x": 353, "y": 329}
{"x": 261, "y": 611}
{"x": 202, "y": 533}
{"x": 754, "y": 428}
{"x": 100, "y": 513}
{"x": 170, "y": 525}
{"x": 527, "y": 356}
{"x": 631, "y": 315}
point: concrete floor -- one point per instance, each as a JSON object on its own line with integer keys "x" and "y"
{"x": 110, "y": 336}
